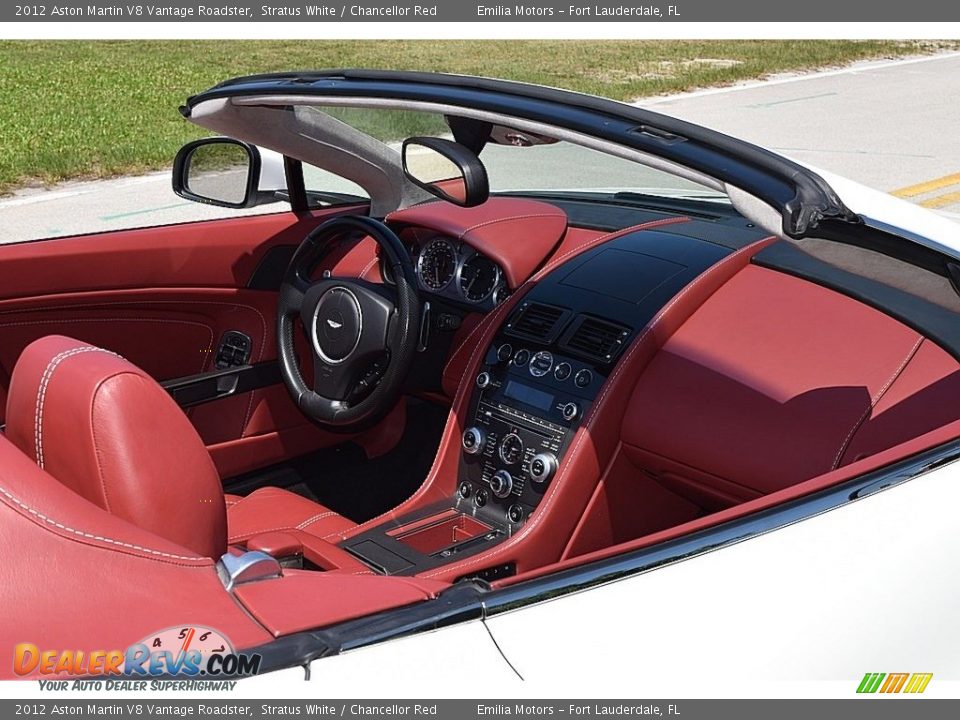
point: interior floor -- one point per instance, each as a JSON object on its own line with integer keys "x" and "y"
{"x": 344, "y": 479}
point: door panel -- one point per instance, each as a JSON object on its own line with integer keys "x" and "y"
{"x": 163, "y": 298}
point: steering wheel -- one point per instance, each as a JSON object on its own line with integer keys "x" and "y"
{"x": 362, "y": 335}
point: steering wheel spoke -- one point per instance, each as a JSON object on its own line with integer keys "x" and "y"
{"x": 334, "y": 382}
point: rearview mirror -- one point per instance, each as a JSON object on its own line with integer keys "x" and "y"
{"x": 222, "y": 172}
{"x": 446, "y": 169}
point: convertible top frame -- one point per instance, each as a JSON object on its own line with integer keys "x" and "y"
{"x": 803, "y": 199}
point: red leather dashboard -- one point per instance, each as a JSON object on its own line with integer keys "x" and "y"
{"x": 517, "y": 234}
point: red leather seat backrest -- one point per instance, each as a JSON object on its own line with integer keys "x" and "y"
{"x": 109, "y": 432}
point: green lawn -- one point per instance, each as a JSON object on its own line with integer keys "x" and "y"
{"x": 78, "y": 109}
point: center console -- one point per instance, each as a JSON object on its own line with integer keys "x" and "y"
{"x": 541, "y": 374}
{"x": 531, "y": 394}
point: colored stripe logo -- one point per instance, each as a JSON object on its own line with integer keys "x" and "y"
{"x": 912, "y": 683}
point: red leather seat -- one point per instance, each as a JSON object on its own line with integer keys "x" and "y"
{"x": 108, "y": 431}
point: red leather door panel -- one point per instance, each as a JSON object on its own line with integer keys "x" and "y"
{"x": 162, "y": 298}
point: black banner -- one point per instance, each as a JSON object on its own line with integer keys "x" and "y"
{"x": 480, "y": 11}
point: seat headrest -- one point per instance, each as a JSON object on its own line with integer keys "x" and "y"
{"x": 108, "y": 431}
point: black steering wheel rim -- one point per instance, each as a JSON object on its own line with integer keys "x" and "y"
{"x": 346, "y": 320}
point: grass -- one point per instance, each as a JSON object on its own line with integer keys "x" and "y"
{"x": 79, "y": 109}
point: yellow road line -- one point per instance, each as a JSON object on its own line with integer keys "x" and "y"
{"x": 929, "y": 186}
{"x": 942, "y": 200}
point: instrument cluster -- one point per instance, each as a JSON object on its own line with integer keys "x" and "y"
{"x": 454, "y": 270}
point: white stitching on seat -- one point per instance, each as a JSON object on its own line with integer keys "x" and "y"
{"x": 874, "y": 400}
{"x": 258, "y": 531}
{"x": 583, "y": 432}
{"x": 42, "y": 392}
{"x": 40, "y": 516}
{"x": 311, "y": 520}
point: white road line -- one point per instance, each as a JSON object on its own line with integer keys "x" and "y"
{"x": 859, "y": 67}
{"x": 41, "y": 197}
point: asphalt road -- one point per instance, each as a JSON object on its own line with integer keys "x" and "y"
{"x": 890, "y": 125}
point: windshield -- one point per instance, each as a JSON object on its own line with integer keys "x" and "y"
{"x": 524, "y": 162}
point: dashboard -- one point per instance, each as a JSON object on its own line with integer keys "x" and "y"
{"x": 453, "y": 270}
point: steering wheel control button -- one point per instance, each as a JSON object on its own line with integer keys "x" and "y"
{"x": 501, "y": 484}
{"x": 521, "y": 358}
{"x": 511, "y": 449}
{"x": 515, "y": 514}
{"x": 473, "y": 440}
{"x": 541, "y": 364}
{"x": 562, "y": 371}
{"x": 583, "y": 378}
{"x": 484, "y": 380}
{"x": 338, "y": 323}
{"x": 504, "y": 352}
{"x": 465, "y": 490}
{"x": 480, "y": 499}
{"x": 543, "y": 467}
{"x": 570, "y": 411}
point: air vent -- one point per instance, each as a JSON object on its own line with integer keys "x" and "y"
{"x": 595, "y": 339}
{"x": 537, "y": 321}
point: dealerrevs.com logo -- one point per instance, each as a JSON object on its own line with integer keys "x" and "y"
{"x": 190, "y": 652}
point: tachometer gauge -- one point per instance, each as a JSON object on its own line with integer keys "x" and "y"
{"x": 437, "y": 264}
{"x": 478, "y": 277}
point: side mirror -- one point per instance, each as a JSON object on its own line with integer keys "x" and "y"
{"x": 446, "y": 169}
{"x": 225, "y": 172}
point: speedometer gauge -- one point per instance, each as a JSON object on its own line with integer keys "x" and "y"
{"x": 437, "y": 264}
{"x": 478, "y": 277}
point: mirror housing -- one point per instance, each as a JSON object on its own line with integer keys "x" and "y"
{"x": 227, "y": 173}
{"x": 446, "y": 169}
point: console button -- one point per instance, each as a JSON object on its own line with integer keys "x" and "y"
{"x": 570, "y": 411}
{"x": 465, "y": 490}
{"x": 583, "y": 378}
{"x": 541, "y": 364}
{"x": 473, "y": 440}
{"x": 543, "y": 466}
{"x": 521, "y": 358}
{"x": 480, "y": 499}
{"x": 562, "y": 371}
{"x": 501, "y": 484}
{"x": 504, "y": 352}
{"x": 484, "y": 380}
{"x": 515, "y": 513}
